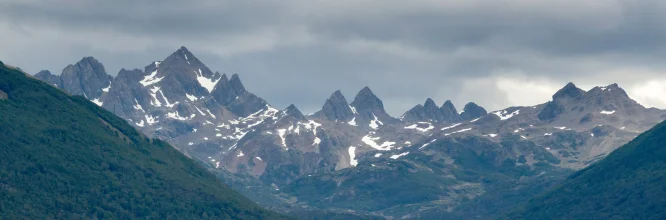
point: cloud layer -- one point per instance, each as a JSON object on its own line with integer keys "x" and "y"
{"x": 494, "y": 52}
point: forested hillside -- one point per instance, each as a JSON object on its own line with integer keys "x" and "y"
{"x": 64, "y": 157}
{"x": 628, "y": 184}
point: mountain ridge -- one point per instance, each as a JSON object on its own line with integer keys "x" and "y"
{"x": 232, "y": 129}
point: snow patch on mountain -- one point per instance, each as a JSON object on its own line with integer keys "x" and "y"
{"x": 374, "y": 124}
{"x": 607, "y": 112}
{"x": 352, "y": 122}
{"x": 151, "y": 79}
{"x": 107, "y": 88}
{"x": 460, "y": 131}
{"x": 396, "y": 156}
{"x": 97, "y": 102}
{"x": 191, "y": 97}
{"x": 311, "y": 126}
{"x": 176, "y": 115}
{"x": 211, "y": 114}
{"x": 150, "y": 119}
{"x": 426, "y": 144}
{"x": 206, "y": 83}
{"x": 168, "y": 104}
{"x": 504, "y": 115}
{"x": 281, "y": 133}
{"x": 199, "y": 110}
{"x": 137, "y": 106}
{"x": 153, "y": 93}
{"x": 452, "y": 126}
{"x": 416, "y": 127}
{"x": 370, "y": 141}
{"x": 352, "y": 156}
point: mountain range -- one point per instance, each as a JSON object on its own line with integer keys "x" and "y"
{"x": 66, "y": 158}
{"x": 354, "y": 156}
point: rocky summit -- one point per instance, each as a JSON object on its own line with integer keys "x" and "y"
{"x": 355, "y": 156}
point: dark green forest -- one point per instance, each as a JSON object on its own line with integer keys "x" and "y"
{"x": 630, "y": 183}
{"x": 64, "y": 157}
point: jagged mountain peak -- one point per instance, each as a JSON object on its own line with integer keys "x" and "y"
{"x": 369, "y": 108}
{"x": 46, "y": 76}
{"x": 183, "y": 56}
{"x": 448, "y": 105}
{"x": 236, "y": 84}
{"x": 88, "y": 62}
{"x": 224, "y": 78}
{"x": 128, "y": 76}
{"x": 152, "y": 66}
{"x": 293, "y": 111}
{"x": 43, "y": 73}
{"x": 568, "y": 91}
{"x": 612, "y": 88}
{"x": 366, "y": 100}
{"x": 184, "y": 52}
{"x": 472, "y": 111}
{"x": 429, "y": 103}
{"x": 365, "y": 91}
{"x": 337, "y": 95}
{"x": 87, "y": 78}
{"x": 89, "y": 59}
{"x": 336, "y": 107}
{"x": 449, "y": 112}
{"x": 365, "y": 94}
{"x": 426, "y": 112}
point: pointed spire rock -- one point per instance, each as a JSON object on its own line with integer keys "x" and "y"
{"x": 336, "y": 107}
{"x": 126, "y": 93}
{"x": 415, "y": 114}
{"x": 423, "y": 113}
{"x": 610, "y": 97}
{"x": 569, "y": 91}
{"x": 152, "y": 66}
{"x": 429, "y": 103}
{"x": 43, "y": 73}
{"x": 182, "y": 56}
{"x": 86, "y": 78}
{"x": 449, "y": 105}
{"x": 432, "y": 110}
{"x": 368, "y": 106}
{"x": 224, "y": 93}
{"x": 181, "y": 75}
{"x": 294, "y": 112}
{"x": 472, "y": 111}
{"x": 449, "y": 112}
{"x": 224, "y": 78}
{"x": 566, "y": 96}
{"x": 614, "y": 89}
{"x": 49, "y": 78}
{"x": 236, "y": 84}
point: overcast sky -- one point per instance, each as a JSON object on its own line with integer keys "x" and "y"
{"x": 496, "y": 53}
